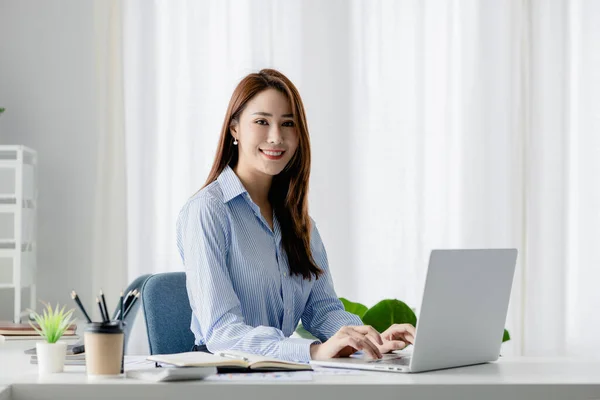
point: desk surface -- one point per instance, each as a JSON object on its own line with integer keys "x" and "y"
{"x": 530, "y": 378}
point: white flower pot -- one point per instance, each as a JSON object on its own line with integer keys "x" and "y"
{"x": 51, "y": 357}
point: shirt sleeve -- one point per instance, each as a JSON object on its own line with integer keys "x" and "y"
{"x": 203, "y": 232}
{"x": 324, "y": 313}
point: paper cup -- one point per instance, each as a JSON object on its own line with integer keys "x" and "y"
{"x": 104, "y": 348}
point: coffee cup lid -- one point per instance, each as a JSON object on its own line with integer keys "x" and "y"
{"x": 105, "y": 327}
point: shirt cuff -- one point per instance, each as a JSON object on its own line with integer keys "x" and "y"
{"x": 297, "y": 349}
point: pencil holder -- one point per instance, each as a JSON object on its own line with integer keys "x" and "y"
{"x": 104, "y": 343}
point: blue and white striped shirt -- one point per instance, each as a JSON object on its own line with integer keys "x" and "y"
{"x": 241, "y": 292}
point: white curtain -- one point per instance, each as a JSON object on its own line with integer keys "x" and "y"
{"x": 108, "y": 260}
{"x": 434, "y": 124}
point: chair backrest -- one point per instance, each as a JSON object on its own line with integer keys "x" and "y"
{"x": 168, "y": 313}
{"x": 137, "y": 283}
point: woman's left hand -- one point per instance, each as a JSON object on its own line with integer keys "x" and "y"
{"x": 397, "y": 337}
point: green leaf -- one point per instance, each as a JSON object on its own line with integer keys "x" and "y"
{"x": 506, "y": 336}
{"x": 52, "y": 322}
{"x": 354, "y": 308}
{"x": 303, "y": 333}
{"x": 2, "y": 110}
{"x": 389, "y": 312}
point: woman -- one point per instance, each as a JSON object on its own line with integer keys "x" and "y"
{"x": 254, "y": 260}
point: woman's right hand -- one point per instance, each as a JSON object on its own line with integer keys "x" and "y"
{"x": 348, "y": 340}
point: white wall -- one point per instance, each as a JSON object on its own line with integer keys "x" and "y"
{"x": 47, "y": 80}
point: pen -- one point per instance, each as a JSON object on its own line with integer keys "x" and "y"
{"x": 76, "y": 298}
{"x": 226, "y": 355}
{"x": 105, "y": 309}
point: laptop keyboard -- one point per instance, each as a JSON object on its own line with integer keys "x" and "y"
{"x": 392, "y": 361}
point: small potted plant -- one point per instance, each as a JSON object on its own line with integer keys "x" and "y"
{"x": 51, "y": 325}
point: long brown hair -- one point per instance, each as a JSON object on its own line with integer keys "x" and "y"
{"x": 289, "y": 190}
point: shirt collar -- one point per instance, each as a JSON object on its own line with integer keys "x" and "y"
{"x": 231, "y": 186}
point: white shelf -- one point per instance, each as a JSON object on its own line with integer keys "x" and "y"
{"x": 15, "y": 154}
{"x": 12, "y": 252}
{"x": 18, "y": 217}
{"x": 11, "y": 200}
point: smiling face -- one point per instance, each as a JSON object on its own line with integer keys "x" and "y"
{"x": 266, "y": 134}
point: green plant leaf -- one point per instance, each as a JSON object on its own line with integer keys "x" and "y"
{"x": 354, "y": 308}
{"x": 506, "y": 336}
{"x": 388, "y": 312}
{"x": 2, "y": 110}
{"x": 303, "y": 333}
{"x": 52, "y": 322}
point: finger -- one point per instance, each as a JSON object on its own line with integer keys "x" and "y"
{"x": 410, "y": 329}
{"x": 402, "y": 328}
{"x": 397, "y": 344}
{"x": 392, "y": 345}
{"x": 398, "y": 332}
{"x": 388, "y": 347}
{"x": 364, "y": 345}
{"x": 407, "y": 337}
{"x": 388, "y": 334}
{"x": 342, "y": 332}
{"x": 363, "y": 338}
{"x": 369, "y": 331}
{"x": 375, "y": 338}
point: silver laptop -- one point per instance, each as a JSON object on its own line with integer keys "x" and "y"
{"x": 462, "y": 316}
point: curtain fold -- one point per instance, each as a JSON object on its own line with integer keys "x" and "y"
{"x": 109, "y": 250}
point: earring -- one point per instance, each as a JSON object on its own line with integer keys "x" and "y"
{"x": 235, "y": 142}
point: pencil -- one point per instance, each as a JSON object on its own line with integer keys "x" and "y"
{"x": 118, "y": 312}
{"x": 100, "y": 308}
{"x": 121, "y": 307}
{"x": 131, "y": 297}
{"x": 105, "y": 315}
{"x": 126, "y": 301}
{"x": 131, "y": 305}
{"x": 76, "y": 298}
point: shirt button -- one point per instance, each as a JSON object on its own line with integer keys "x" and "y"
{"x": 285, "y": 274}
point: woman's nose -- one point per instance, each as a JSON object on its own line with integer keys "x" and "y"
{"x": 275, "y": 135}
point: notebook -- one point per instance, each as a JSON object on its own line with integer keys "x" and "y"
{"x": 229, "y": 359}
{"x": 80, "y": 356}
{"x": 8, "y": 328}
{"x": 77, "y": 348}
{"x": 68, "y": 361}
{"x": 34, "y": 338}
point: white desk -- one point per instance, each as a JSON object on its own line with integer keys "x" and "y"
{"x": 516, "y": 378}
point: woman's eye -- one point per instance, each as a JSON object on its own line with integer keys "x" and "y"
{"x": 261, "y": 122}
{"x": 288, "y": 123}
